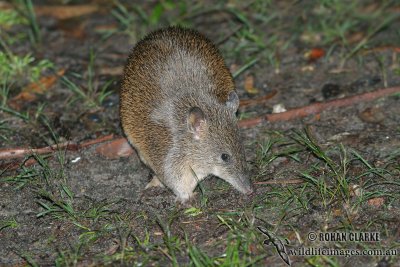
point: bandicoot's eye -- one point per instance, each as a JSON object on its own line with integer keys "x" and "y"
{"x": 225, "y": 157}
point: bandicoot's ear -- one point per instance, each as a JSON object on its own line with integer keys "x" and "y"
{"x": 233, "y": 101}
{"x": 196, "y": 122}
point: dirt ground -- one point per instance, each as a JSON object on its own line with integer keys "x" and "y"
{"x": 336, "y": 171}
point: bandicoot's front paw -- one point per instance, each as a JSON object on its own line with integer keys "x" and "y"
{"x": 155, "y": 182}
{"x": 186, "y": 198}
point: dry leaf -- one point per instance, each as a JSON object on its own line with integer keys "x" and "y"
{"x": 5, "y": 6}
{"x": 74, "y": 27}
{"x": 30, "y": 92}
{"x": 249, "y": 85}
{"x": 115, "y": 149}
{"x": 337, "y": 212}
{"x": 314, "y": 54}
{"x": 376, "y": 202}
{"x": 372, "y": 115}
{"x": 355, "y": 37}
{"x": 366, "y": 10}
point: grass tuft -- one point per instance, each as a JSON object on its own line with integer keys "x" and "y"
{"x": 93, "y": 95}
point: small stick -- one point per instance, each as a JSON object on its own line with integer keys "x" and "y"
{"x": 395, "y": 49}
{"x": 291, "y": 181}
{"x": 11, "y": 153}
{"x": 318, "y": 107}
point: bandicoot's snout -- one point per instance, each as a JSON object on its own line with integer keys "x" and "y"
{"x": 250, "y": 190}
{"x": 243, "y": 185}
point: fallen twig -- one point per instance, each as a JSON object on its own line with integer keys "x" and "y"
{"x": 66, "y": 12}
{"x": 12, "y": 153}
{"x": 395, "y": 49}
{"x": 318, "y": 107}
{"x": 291, "y": 181}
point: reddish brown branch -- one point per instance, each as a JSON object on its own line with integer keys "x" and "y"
{"x": 319, "y": 107}
{"x": 395, "y": 49}
{"x": 11, "y": 153}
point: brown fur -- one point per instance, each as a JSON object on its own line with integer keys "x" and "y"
{"x": 169, "y": 72}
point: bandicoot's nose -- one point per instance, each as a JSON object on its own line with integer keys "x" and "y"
{"x": 245, "y": 186}
{"x": 250, "y": 190}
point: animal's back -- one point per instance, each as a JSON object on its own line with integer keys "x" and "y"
{"x": 167, "y": 67}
